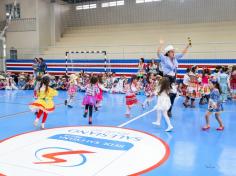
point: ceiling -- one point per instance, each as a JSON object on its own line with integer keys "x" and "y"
{"x": 76, "y": 1}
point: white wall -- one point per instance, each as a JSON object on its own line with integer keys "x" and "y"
{"x": 134, "y": 30}
{"x": 43, "y": 16}
{"x": 28, "y": 8}
{"x": 179, "y": 11}
{"x": 1, "y": 56}
{"x": 57, "y": 24}
{"x": 39, "y": 27}
{"x": 22, "y": 34}
{"x": 210, "y": 40}
{"x": 49, "y": 23}
{"x": 25, "y": 42}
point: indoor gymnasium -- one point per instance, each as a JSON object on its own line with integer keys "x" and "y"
{"x": 117, "y": 87}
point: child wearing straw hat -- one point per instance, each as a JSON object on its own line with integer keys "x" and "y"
{"x": 71, "y": 91}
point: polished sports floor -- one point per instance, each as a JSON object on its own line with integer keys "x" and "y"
{"x": 192, "y": 152}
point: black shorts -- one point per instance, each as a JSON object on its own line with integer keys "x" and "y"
{"x": 171, "y": 78}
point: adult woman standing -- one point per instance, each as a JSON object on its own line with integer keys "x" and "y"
{"x": 42, "y": 66}
{"x": 169, "y": 65}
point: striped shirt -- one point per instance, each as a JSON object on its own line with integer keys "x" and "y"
{"x": 91, "y": 90}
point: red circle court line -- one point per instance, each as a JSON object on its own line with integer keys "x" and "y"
{"x": 9, "y": 115}
{"x": 23, "y": 112}
{"x": 166, "y": 156}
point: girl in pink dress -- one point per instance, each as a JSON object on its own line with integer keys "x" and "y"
{"x": 89, "y": 101}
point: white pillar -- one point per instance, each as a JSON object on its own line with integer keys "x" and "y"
{"x": 4, "y": 53}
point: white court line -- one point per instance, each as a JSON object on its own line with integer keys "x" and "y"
{"x": 122, "y": 125}
{"x": 138, "y": 117}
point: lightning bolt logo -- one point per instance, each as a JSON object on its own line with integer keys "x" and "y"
{"x": 55, "y": 157}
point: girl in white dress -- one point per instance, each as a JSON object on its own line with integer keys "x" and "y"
{"x": 163, "y": 103}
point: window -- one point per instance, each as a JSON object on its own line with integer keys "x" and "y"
{"x": 87, "y": 6}
{"x": 93, "y": 6}
{"x": 13, "y": 10}
{"x": 113, "y": 3}
{"x": 145, "y": 1}
{"x": 106, "y": 4}
{"x": 79, "y": 7}
{"x": 120, "y": 3}
{"x": 139, "y": 1}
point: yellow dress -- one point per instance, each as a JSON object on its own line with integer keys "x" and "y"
{"x": 44, "y": 101}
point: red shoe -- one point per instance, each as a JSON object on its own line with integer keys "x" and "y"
{"x": 206, "y": 128}
{"x": 220, "y": 128}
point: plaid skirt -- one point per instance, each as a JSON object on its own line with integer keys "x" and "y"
{"x": 131, "y": 99}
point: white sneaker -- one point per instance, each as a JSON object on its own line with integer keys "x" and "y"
{"x": 169, "y": 129}
{"x": 36, "y": 122}
{"x": 42, "y": 126}
{"x": 156, "y": 123}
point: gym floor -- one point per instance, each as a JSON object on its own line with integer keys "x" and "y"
{"x": 192, "y": 151}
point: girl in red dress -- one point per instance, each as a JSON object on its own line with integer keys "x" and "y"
{"x": 131, "y": 90}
